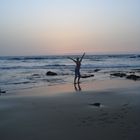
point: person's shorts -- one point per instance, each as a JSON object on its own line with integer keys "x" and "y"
{"x": 77, "y": 73}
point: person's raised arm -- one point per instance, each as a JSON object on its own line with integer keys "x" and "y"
{"x": 71, "y": 59}
{"x": 82, "y": 56}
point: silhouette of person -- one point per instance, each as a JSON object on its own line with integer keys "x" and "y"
{"x": 77, "y": 68}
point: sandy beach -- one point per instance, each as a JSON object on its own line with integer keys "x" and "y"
{"x": 48, "y": 45}
{"x": 107, "y": 109}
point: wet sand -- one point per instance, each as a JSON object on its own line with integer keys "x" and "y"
{"x": 66, "y": 113}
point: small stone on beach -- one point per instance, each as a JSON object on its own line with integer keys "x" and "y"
{"x": 50, "y": 73}
{"x": 2, "y": 91}
{"x": 96, "y": 104}
{"x": 96, "y": 70}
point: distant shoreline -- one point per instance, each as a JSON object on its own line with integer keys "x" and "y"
{"x": 71, "y": 54}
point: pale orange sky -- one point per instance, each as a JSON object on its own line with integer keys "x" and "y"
{"x": 64, "y": 27}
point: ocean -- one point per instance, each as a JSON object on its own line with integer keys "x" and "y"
{"x": 19, "y": 72}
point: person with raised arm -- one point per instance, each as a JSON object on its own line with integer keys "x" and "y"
{"x": 77, "y": 68}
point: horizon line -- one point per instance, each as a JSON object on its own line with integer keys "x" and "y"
{"x": 65, "y": 54}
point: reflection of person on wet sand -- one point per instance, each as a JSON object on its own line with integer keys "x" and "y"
{"x": 77, "y": 87}
{"x": 77, "y": 68}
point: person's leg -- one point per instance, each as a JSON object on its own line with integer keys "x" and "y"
{"x": 79, "y": 88}
{"x": 75, "y": 79}
{"x": 79, "y": 79}
{"x": 79, "y": 76}
{"x": 76, "y": 75}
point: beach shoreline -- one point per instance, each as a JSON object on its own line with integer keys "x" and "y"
{"x": 62, "y": 112}
{"x": 23, "y": 72}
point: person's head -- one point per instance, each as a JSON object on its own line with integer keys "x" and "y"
{"x": 77, "y": 58}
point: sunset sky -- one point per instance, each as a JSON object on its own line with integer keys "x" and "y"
{"x": 42, "y": 27}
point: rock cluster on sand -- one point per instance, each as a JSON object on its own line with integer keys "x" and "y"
{"x": 50, "y": 73}
{"x": 118, "y": 74}
{"x": 131, "y": 77}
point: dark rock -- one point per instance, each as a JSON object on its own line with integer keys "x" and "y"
{"x": 2, "y": 91}
{"x": 119, "y": 74}
{"x": 132, "y": 72}
{"x": 96, "y": 70}
{"x": 96, "y": 104}
{"x": 50, "y": 73}
{"x": 87, "y": 76}
{"x": 133, "y": 77}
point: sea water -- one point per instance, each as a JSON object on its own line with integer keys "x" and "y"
{"x": 17, "y": 72}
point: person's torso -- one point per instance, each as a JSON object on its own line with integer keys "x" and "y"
{"x": 78, "y": 64}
